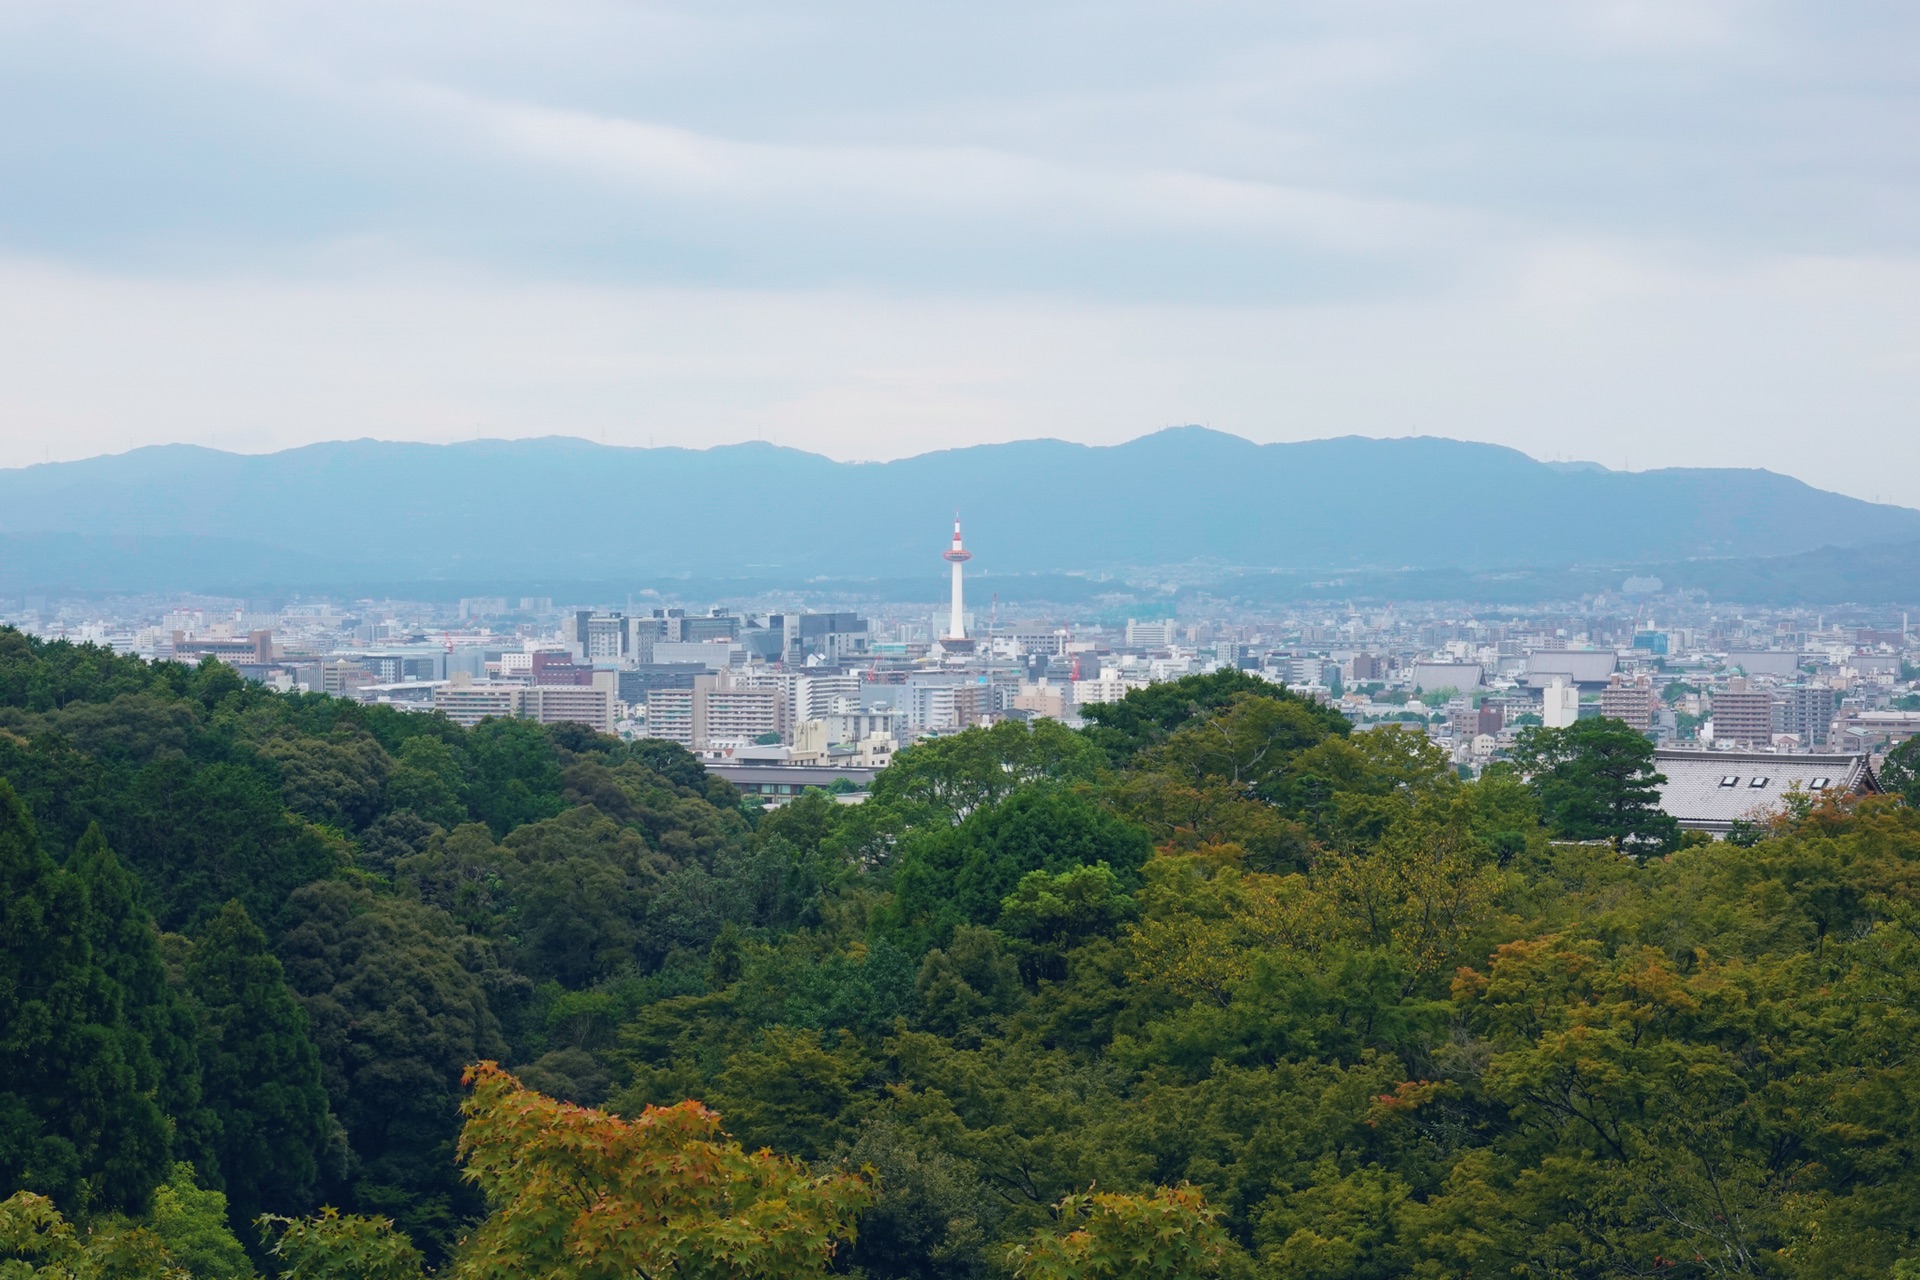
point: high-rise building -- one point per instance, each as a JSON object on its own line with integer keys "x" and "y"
{"x": 1805, "y": 711}
{"x": 829, "y": 637}
{"x": 1628, "y": 701}
{"x": 670, "y": 714}
{"x": 1742, "y": 714}
{"x": 468, "y": 702}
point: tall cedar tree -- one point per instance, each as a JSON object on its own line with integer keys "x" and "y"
{"x": 127, "y": 946}
{"x": 77, "y": 1118}
{"x": 259, "y": 1070}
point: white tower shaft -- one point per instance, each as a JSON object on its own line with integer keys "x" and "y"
{"x": 957, "y": 555}
{"x": 956, "y": 620}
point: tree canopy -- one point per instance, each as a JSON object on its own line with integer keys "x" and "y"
{"x": 1212, "y": 988}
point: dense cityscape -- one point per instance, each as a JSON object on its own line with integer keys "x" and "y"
{"x": 777, "y": 699}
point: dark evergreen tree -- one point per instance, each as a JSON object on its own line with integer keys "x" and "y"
{"x": 77, "y": 1119}
{"x": 397, "y": 1017}
{"x": 127, "y": 947}
{"x": 1595, "y": 780}
{"x": 260, "y": 1071}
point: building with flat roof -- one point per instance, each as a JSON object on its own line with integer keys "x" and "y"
{"x": 468, "y": 702}
{"x": 719, "y": 708}
{"x": 1743, "y": 714}
{"x": 779, "y": 783}
{"x": 590, "y": 705}
{"x": 1806, "y": 711}
{"x": 1629, "y": 702}
{"x": 1154, "y": 633}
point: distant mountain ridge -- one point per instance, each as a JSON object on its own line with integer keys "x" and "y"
{"x": 565, "y": 509}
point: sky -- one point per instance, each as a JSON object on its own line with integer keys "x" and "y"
{"x": 1641, "y": 232}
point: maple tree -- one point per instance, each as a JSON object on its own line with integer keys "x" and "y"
{"x": 581, "y": 1193}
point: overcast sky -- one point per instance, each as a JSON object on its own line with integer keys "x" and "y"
{"x": 1644, "y": 232}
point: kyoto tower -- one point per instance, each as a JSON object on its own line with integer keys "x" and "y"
{"x": 956, "y": 555}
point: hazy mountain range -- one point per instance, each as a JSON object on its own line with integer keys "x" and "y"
{"x": 565, "y": 510}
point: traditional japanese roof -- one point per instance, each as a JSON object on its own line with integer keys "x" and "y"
{"x": 1711, "y": 790}
{"x": 1575, "y": 666}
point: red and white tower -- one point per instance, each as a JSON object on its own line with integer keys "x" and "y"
{"x": 956, "y": 555}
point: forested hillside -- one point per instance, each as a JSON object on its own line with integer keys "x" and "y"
{"x": 1212, "y": 988}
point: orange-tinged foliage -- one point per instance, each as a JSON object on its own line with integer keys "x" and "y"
{"x": 582, "y": 1194}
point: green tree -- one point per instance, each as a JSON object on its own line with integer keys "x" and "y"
{"x": 336, "y": 780}
{"x": 1172, "y": 1234}
{"x": 38, "y": 1243}
{"x": 191, "y": 1221}
{"x": 77, "y": 1117}
{"x": 335, "y": 1246}
{"x": 200, "y": 836}
{"x": 1147, "y": 717}
{"x": 1596, "y": 781}
{"x": 1900, "y": 772}
{"x": 396, "y": 1016}
{"x": 514, "y": 774}
{"x": 260, "y": 1071}
{"x": 1052, "y": 913}
{"x": 128, "y": 948}
{"x": 430, "y": 781}
{"x": 949, "y": 778}
{"x": 961, "y": 875}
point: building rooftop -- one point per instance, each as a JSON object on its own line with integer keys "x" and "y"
{"x": 1711, "y": 790}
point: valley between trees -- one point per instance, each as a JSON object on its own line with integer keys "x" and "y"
{"x": 1212, "y": 988}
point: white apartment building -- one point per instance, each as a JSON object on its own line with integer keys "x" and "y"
{"x": 468, "y": 702}
{"x": 1111, "y": 686}
{"x": 720, "y": 710}
{"x": 670, "y": 715}
{"x": 1560, "y": 703}
{"x": 818, "y": 696}
{"x": 1151, "y": 634}
{"x": 724, "y": 712}
{"x": 590, "y": 705}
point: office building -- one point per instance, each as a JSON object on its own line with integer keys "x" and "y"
{"x": 1151, "y": 634}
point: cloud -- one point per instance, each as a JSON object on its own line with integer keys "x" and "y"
{"x": 1645, "y": 232}
{"x": 1683, "y": 368}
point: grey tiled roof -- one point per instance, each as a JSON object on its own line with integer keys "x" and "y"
{"x": 1696, "y": 791}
